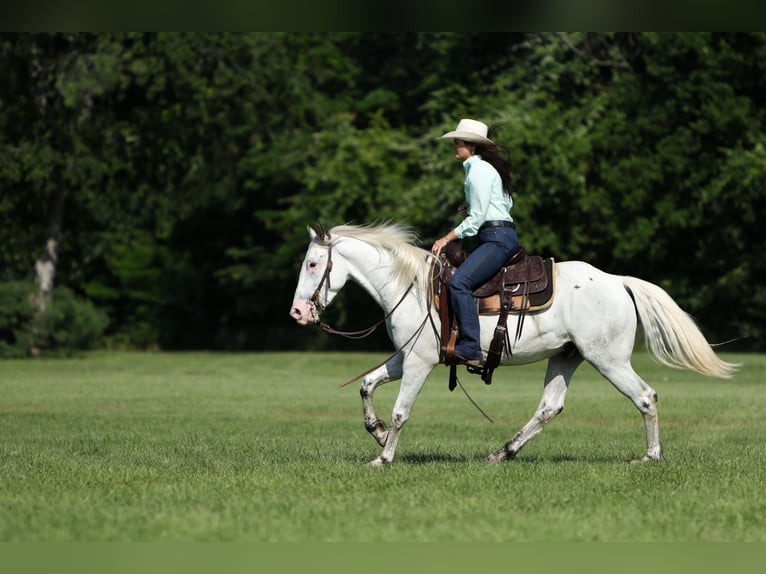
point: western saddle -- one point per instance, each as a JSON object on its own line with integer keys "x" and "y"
{"x": 524, "y": 284}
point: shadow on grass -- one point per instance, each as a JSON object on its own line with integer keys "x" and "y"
{"x": 435, "y": 458}
{"x": 562, "y": 458}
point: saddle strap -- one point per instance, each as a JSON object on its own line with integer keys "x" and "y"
{"x": 523, "y": 313}
{"x": 445, "y": 316}
{"x": 500, "y": 338}
{"x": 495, "y": 349}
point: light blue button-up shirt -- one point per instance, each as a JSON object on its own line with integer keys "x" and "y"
{"x": 485, "y": 197}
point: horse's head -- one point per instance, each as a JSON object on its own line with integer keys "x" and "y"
{"x": 320, "y": 279}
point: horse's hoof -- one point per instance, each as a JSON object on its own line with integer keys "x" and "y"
{"x": 495, "y": 458}
{"x": 382, "y": 438}
{"x": 379, "y": 462}
{"x": 647, "y": 458}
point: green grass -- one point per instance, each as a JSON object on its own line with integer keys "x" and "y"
{"x": 267, "y": 447}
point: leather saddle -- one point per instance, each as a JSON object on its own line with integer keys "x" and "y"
{"x": 523, "y": 284}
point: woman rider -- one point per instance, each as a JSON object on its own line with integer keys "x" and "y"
{"x": 488, "y": 195}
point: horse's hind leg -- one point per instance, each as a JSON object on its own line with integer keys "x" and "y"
{"x": 557, "y": 378}
{"x": 390, "y": 371}
{"x": 627, "y": 381}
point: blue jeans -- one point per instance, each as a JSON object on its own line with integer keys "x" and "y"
{"x": 496, "y": 245}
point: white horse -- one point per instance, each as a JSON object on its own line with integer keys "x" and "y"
{"x": 593, "y": 317}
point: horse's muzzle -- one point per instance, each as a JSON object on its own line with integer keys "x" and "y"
{"x": 304, "y": 312}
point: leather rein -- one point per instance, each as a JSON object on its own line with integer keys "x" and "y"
{"x": 362, "y": 333}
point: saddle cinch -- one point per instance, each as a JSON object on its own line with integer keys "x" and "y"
{"x": 524, "y": 284}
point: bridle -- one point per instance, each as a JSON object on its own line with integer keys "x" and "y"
{"x": 314, "y": 300}
{"x": 324, "y": 283}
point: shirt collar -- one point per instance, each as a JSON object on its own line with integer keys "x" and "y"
{"x": 470, "y": 161}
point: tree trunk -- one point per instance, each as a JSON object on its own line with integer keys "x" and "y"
{"x": 45, "y": 265}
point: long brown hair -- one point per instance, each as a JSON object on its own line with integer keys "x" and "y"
{"x": 499, "y": 157}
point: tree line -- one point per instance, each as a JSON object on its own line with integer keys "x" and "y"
{"x": 155, "y": 187}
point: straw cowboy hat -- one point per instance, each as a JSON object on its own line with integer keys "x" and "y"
{"x": 469, "y": 131}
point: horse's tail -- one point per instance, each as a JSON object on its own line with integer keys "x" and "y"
{"x": 671, "y": 335}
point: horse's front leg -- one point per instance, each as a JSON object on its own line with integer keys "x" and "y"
{"x": 412, "y": 382}
{"x": 390, "y": 371}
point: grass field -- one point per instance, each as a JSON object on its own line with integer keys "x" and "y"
{"x": 267, "y": 447}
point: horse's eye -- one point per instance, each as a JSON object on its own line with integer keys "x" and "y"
{"x": 312, "y": 265}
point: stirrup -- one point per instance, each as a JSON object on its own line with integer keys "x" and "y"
{"x": 470, "y": 363}
{"x": 475, "y": 369}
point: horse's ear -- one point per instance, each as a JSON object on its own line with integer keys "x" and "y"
{"x": 312, "y": 233}
{"x": 319, "y": 230}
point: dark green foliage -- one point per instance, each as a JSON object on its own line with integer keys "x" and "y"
{"x": 180, "y": 170}
{"x": 16, "y": 312}
{"x": 67, "y": 324}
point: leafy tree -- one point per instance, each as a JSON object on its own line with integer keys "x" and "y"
{"x": 172, "y": 175}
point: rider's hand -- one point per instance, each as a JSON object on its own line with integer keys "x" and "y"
{"x": 441, "y": 243}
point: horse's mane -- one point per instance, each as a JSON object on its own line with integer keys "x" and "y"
{"x": 409, "y": 262}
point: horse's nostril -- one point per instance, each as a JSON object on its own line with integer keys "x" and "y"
{"x": 296, "y": 313}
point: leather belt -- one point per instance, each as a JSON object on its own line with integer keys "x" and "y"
{"x": 487, "y": 224}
